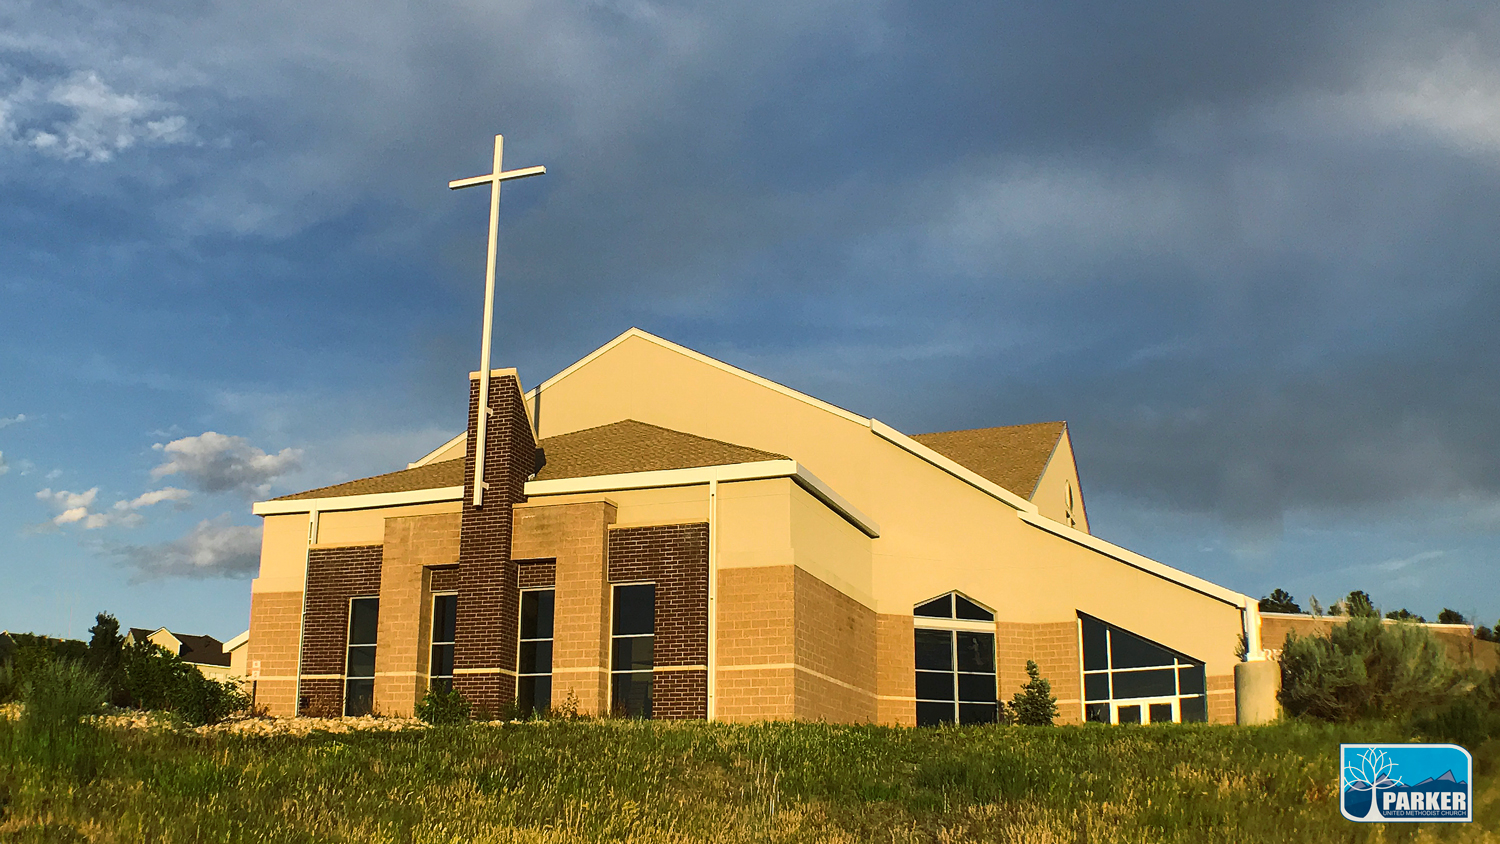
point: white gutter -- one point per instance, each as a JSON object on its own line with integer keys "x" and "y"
{"x": 713, "y": 596}
{"x": 358, "y": 502}
{"x": 761, "y": 470}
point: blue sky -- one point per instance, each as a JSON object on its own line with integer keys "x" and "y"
{"x": 1250, "y": 254}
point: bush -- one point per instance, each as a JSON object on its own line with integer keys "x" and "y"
{"x": 442, "y": 708}
{"x": 1365, "y": 669}
{"x": 58, "y": 696}
{"x": 1033, "y": 705}
{"x": 106, "y": 655}
{"x": 158, "y": 679}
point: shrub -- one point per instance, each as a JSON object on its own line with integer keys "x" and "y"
{"x": 59, "y": 694}
{"x": 1448, "y": 616}
{"x": 106, "y": 656}
{"x": 8, "y": 686}
{"x": 1033, "y": 705}
{"x": 1279, "y": 600}
{"x": 158, "y": 679}
{"x": 443, "y": 708}
{"x": 1364, "y": 669}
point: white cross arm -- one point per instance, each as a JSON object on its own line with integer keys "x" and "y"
{"x": 492, "y": 178}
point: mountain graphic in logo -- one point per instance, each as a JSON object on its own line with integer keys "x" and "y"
{"x": 1373, "y": 788}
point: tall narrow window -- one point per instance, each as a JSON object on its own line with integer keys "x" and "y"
{"x": 534, "y": 668}
{"x": 359, "y": 669}
{"x": 444, "y": 632}
{"x": 955, "y": 662}
{"x": 632, "y": 656}
{"x": 1131, "y": 680}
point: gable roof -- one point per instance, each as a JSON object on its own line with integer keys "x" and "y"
{"x": 622, "y": 447}
{"x": 202, "y": 650}
{"x": 628, "y": 446}
{"x": 1013, "y": 457}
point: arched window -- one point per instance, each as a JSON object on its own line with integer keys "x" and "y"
{"x": 955, "y": 661}
{"x": 1128, "y": 679}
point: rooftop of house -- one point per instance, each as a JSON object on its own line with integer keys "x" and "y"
{"x": 201, "y": 650}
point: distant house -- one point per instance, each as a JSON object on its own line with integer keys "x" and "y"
{"x": 210, "y": 656}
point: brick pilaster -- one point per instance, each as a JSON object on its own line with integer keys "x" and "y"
{"x": 484, "y": 658}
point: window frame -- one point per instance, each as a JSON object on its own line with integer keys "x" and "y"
{"x": 349, "y": 647}
{"x": 952, "y": 626}
{"x": 551, "y": 640}
{"x": 1110, "y": 702}
{"x": 614, "y": 674}
{"x": 433, "y": 643}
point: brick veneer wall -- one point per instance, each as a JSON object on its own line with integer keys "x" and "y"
{"x": 275, "y": 627}
{"x": 536, "y": 574}
{"x": 484, "y": 659}
{"x": 573, "y": 535}
{"x": 413, "y": 544}
{"x": 896, "y": 670}
{"x": 675, "y": 558}
{"x": 1054, "y": 647}
{"x": 445, "y": 579}
{"x": 334, "y": 575}
{"x": 835, "y": 644}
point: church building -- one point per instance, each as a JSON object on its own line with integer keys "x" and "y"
{"x": 660, "y": 534}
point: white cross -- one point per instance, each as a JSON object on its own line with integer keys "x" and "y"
{"x": 493, "y": 179}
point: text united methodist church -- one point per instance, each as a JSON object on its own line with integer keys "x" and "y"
{"x": 664, "y": 535}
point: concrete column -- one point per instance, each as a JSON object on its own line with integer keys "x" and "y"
{"x": 1255, "y": 686}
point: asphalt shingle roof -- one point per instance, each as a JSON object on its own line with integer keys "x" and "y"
{"x": 1013, "y": 456}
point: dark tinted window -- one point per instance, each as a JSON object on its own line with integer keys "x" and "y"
{"x": 936, "y": 608}
{"x": 976, "y": 651}
{"x": 635, "y": 610}
{"x": 1096, "y": 687}
{"x": 1095, "y": 645}
{"x": 976, "y": 713}
{"x": 1157, "y": 683}
{"x": 976, "y": 688}
{"x": 1161, "y": 713}
{"x": 364, "y": 614}
{"x": 631, "y": 695}
{"x": 444, "y": 617}
{"x": 1192, "y": 680}
{"x": 1129, "y": 651}
{"x": 966, "y": 608}
{"x": 1194, "y": 710}
{"x": 634, "y": 653}
{"x": 932, "y": 714}
{"x": 934, "y": 685}
{"x": 1096, "y": 712}
{"x": 934, "y": 650}
{"x": 536, "y": 657}
{"x": 536, "y": 615}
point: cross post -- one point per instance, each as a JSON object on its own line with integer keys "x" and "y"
{"x": 493, "y": 179}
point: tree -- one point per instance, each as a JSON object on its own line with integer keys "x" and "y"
{"x": 1487, "y": 634}
{"x": 1359, "y": 605}
{"x": 106, "y": 656}
{"x": 1405, "y": 614}
{"x": 1033, "y": 705}
{"x": 1365, "y": 668}
{"x": 1279, "y": 600}
{"x": 1448, "y": 616}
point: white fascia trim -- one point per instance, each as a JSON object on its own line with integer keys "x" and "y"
{"x": 760, "y": 470}
{"x": 1134, "y": 560}
{"x": 237, "y": 641}
{"x": 705, "y": 359}
{"x": 902, "y": 441}
{"x": 358, "y": 502}
{"x": 428, "y": 457}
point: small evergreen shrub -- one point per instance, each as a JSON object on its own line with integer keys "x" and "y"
{"x": 1365, "y": 669}
{"x": 1033, "y": 705}
{"x": 444, "y": 708}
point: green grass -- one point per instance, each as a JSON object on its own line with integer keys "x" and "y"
{"x": 643, "y": 781}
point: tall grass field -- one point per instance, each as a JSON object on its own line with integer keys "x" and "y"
{"x": 679, "y": 782}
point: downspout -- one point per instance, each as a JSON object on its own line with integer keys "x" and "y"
{"x": 713, "y": 594}
{"x": 312, "y": 538}
{"x": 1251, "y": 615}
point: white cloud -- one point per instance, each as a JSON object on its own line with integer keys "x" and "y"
{"x": 6, "y": 422}
{"x": 4, "y": 467}
{"x": 76, "y": 507}
{"x": 156, "y": 496}
{"x": 214, "y": 462}
{"x": 69, "y": 500}
{"x": 214, "y": 548}
{"x": 82, "y": 117}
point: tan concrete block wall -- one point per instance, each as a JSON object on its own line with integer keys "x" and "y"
{"x": 1056, "y": 651}
{"x": 756, "y": 647}
{"x": 1221, "y": 699}
{"x": 575, "y": 535}
{"x": 895, "y": 670}
{"x": 835, "y": 638}
{"x": 275, "y": 628}
{"x": 412, "y": 545}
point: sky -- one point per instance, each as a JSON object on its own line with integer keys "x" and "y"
{"x": 1249, "y": 252}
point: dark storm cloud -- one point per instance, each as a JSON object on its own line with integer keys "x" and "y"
{"x": 1248, "y": 250}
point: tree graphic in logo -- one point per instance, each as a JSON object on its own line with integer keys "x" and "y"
{"x": 1370, "y": 772}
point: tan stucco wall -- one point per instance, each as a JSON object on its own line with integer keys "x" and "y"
{"x": 1051, "y": 495}
{"x": 678, "y": 505}
{"x": 367, "y": 527}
